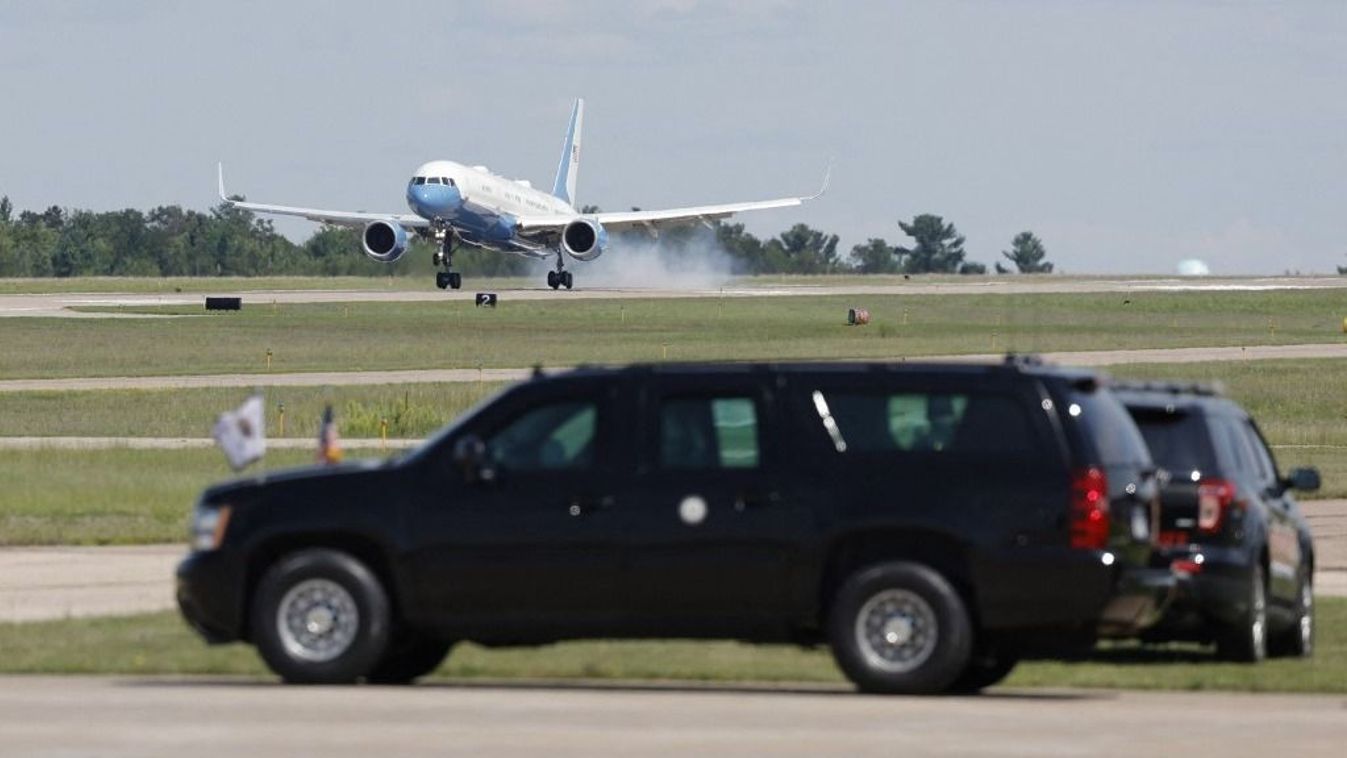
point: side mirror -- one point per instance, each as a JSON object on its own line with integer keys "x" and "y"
{"x": 470, "y": 454}
{"x": 1303, "y": 479}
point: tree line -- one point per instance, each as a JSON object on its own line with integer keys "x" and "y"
{"x": 227, "y": 241}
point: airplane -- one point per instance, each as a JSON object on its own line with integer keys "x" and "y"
{"x": 452, "y": 204}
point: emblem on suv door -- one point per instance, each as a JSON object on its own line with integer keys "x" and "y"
{"x": 692, "y": 510}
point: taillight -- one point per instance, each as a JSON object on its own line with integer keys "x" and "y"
{"x": 1214, "y": 497}
{"x": 1089, "y": 509}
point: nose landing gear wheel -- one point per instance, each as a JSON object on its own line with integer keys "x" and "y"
{"x": 566, "y": 279}
{"x": 553, "y": 279}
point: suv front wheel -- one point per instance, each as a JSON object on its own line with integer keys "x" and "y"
{"x": 320, "y": 616}
{"x": 900, "y": 628}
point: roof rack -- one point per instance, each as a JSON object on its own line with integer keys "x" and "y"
{"x": 1023, "y": 359}
{"x": 1204, "y": 389}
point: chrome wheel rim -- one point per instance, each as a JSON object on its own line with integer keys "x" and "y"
{"x": 1258, "y": 627}
{"x": 896, "y": 631}
{"x": 317, "y": 620}
{"x": 1306, "y": 617}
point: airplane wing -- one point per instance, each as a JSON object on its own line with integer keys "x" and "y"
{"x": 653, "y": 220}
{"x": 340, "y": 218}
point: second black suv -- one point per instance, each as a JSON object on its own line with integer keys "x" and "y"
{"x": 1229, "y": 521}
{"x": 933, "y": 523}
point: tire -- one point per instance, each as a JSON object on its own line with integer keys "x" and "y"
{"x": 1246, "y": 639}
{"x": 320, "y": 616}
{"x": 900, "y": 628}
{"x": 1298, "y": 641}
{"x": 983, "y": 671}
{"x": 553, "y": 279}
{"x": 408, "y": 659}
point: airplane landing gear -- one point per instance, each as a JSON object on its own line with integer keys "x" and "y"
{"x": 448, "y": 278}
{"x": 560, "y": 277}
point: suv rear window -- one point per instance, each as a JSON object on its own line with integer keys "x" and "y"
{"x": 1178, "y": 440}
{"x": 1105, "y": 421}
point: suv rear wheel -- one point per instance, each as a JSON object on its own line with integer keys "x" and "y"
{"x": 320, "y": 616}
{"x": 1298, "y": 641}
{"x": 900, "y": 628}
{"x": 1246, "y": 639}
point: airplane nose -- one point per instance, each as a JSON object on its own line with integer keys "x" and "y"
{"x": 431, "y": 200}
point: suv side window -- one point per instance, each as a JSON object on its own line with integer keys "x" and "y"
{"x": 708, "y": 433}
{"x": 553, "y": 436}
{"x": 869, "y": 422}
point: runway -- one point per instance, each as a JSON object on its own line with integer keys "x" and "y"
{"x": 59, "y": 305}
{"x": 148, "y": 717}
{"x": 1098, "y": 358}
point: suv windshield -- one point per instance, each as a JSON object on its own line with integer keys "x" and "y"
{"x": 1178, "y": 440}
{"x": 1106, "y": 422}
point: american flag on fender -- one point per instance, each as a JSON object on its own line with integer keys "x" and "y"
{"x": 329, "y": 451}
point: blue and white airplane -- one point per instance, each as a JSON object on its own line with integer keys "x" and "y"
{"x": 453, "y": 203}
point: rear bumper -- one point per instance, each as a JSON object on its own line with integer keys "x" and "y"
{"x": 1141, "y": 597}
{"x": 1217, "y": 595}
{"x": 209, "y": 594}
{"x": 1063, "y": 588}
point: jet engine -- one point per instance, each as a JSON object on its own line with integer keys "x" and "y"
{"x": 584, "y": 239}
{"x": 384, "y": 241}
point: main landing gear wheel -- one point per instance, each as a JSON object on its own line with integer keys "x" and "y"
{"x": 557, "y": 279}
{"x": 448, "y": 278}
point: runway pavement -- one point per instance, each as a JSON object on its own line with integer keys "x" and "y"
{"x": 59, "y": 305}
{"x": 411, "y": 376}
{"x": 147, "y": 718}
{"x": 39, "y": 583}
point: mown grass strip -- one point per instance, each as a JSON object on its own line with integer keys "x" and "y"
{"x": 561, "y": 332}
{"x": 162, "y": 644}
{"x": 115, "y": 496}
{"x": 411, "y": 410}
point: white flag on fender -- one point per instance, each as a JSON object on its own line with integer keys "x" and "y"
{"x": 241, "y": 433}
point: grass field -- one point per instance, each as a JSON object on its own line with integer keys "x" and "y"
{"x": 116, "y": 496}
{"x": 162, "y": 644}
{"x": 560, "y": 332}
{"x": 412, "y": 410}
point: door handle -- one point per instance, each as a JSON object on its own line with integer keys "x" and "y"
{"x": 747, "y": 500}
{"x": 582, "y": 505}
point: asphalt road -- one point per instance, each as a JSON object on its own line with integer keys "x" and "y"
{"x": 113, "y": 717}
{"x": 59, "y": 305}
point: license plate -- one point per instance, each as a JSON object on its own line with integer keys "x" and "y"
{"x": 1172, "y": 537}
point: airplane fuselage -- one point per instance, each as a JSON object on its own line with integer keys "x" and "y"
{"x": 481, "y": 206}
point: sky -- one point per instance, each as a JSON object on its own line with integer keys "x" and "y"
{"x": 1127, "y": 134}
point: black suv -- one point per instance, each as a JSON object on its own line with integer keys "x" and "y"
{"x": 933, "y": 523}
{"x": 1229, "y": 522}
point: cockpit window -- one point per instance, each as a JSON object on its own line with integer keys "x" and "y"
{"x": 447, "y": 181}
{"x": 419, "y": 180}
{"x": 433, "y": 180}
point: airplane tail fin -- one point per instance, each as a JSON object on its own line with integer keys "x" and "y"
{"x": 564, "y": 186}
